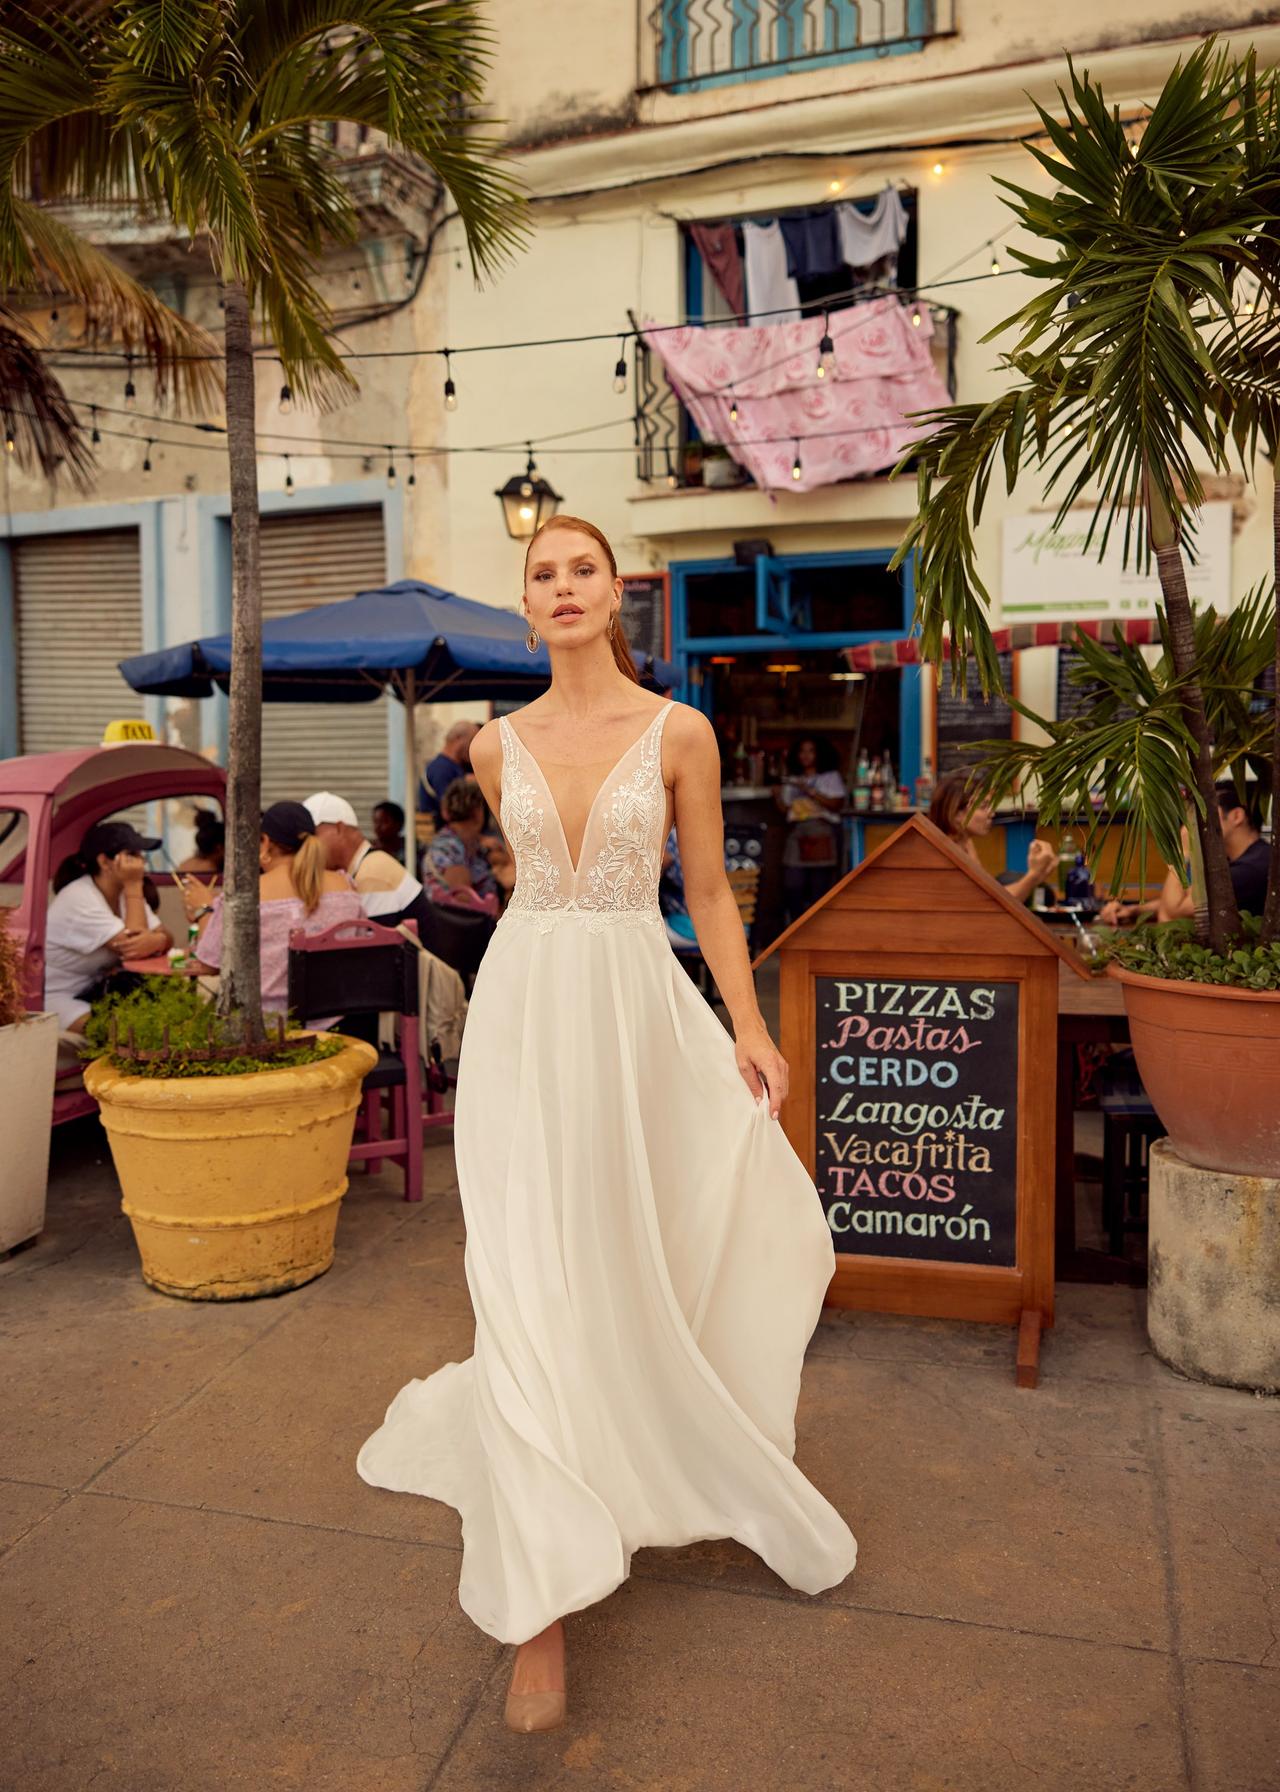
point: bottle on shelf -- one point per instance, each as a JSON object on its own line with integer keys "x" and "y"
{"x": 924, "y": 784}
{"x": 877, "y": 791}
{"x": 862, "y": 784}
{"x": 1067, "y": 850}
{"x": 740, "y": 766}
{"x": 1079, "y": 885}
{"x": 888, "y": 777}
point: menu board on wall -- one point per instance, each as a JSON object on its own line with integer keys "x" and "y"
{"x": 962, "y": 718}
{"x": 916, "y": 1137}
{"x": 644, "y": 612}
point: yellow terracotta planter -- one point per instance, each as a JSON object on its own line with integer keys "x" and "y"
{"x": 232, "y": 1183}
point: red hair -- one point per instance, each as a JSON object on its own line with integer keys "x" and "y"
{"x": 621, "y": 649}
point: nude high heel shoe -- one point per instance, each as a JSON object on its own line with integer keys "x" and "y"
{"x": 541, "y": 1709}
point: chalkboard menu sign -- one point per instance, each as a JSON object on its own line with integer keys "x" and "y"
{"x": 964, "y": 717}
{"x": 644, "y": 612}
{"x": 1077, "y": 697}
{"x": 916, "y": 1137}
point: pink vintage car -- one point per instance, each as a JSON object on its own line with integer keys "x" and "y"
{"x": 47, "y": 801}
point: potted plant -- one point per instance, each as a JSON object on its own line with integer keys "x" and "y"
{"x": 231, "y": 1150}
{"x": 719, "y": 467}
{"x": 1149, "y": 351}
{"x": 28, "y": 1062}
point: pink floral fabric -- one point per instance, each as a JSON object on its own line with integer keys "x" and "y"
{"x": 853, "y": 420}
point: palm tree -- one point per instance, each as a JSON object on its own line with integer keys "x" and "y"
{"x": 212, "y": 111}
{"x": 1128, "y": 361}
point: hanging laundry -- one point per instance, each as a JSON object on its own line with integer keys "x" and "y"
{"x": 868, "y": 236}
{"x": 854, "y": 420}
{"x": 718, "y": 246}
{"x": 772, "y": 295}
{"x": 813, "y": 244}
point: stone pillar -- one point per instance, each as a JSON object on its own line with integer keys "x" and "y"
{"x": 1213, "y": 1300}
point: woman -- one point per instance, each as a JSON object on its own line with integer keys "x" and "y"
{"x": 211, "y": 844}
{"x": 966, "y": 820}
{"x": 812, "y": 797}
{"x": 455, "y": 867}
{"x": 99, "y": 917}
{"x": 645, "y": 1255}
{"x": 296, "y": 889}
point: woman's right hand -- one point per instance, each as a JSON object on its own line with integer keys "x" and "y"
{"x": 196, "y": 895}
{"x": 1043, "y": 861}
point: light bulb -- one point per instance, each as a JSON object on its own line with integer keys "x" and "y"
{"x": 835, "y": 186}
{"x": 413, "y": 472}
{"x": 733, "y": 410}
{"x": 130, "y": 394}
{"x": 146, "y": 465}
{"x": 450, "y": 396}
{"x": 995, "y": 260}
{"x": 391, "y": 472}
{"x": 96, "y": 435}
{"x": 797, "y": 471}
{"x": 286, "y": 400}
{"x": 288, "y": 477}
{"x": 526, "y": 513}
{"x": 915, "y": 319}
{"x": 938, "y": 168}
{"x": 8, "y": 438}
{"x": 826, "y": 355}
{"x": 620, "y": 375}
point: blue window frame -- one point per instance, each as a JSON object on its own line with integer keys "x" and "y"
{"x": 706, "y": 43}
{"x": 781, "y": 622}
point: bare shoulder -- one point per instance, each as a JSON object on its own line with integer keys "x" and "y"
{"x": 690, "y": 735}
{"x": 486, "y": 748}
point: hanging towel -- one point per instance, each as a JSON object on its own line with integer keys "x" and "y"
{"x": 813, "y": 244}
{"x": 718, "y": 246}
{"x": 868, "y": 236}
{"x": 772, "y": 295}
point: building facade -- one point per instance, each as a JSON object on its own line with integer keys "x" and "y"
{"x": 646, "y": 132}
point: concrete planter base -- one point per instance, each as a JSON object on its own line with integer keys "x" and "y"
{"x": 1213, "y": 1298}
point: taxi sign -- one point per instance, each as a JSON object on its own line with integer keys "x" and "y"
{"x": 127, "y": 730}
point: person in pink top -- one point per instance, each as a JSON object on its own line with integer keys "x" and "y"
{"x": 297, "y": 890}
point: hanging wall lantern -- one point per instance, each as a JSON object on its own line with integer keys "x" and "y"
{"x": 527, "y": 502}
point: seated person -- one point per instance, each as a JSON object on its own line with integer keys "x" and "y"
{"x": 1248, "y": 860}
{"x": 98, "y": 918}
{"x": 956, "y": 810}
{"x": 388, "y": 829}
{"x": 211, "y": 845}
{"x": 455, "y": 867}
{"x": 388, "y": 894}
{"x": 296, "y": 890}
{"x": 452, "y": 762}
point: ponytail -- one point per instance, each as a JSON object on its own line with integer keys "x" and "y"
{"x": 307, "y": 869}
{"x": 73, "y": 866}
{"x": 622, "y": 654}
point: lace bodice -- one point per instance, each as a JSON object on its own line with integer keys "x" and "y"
{"x": 616, "y": 878}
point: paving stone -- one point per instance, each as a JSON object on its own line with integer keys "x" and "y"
{"x": 22, "y": 1506}
{"x": 1234, "y": 1720}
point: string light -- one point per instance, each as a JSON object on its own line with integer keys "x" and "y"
{"x": 95, "y": 434}
{"x": 288, "y": 477}
{"x": 450, "y": 390}
{"x": 826, "y": 350}
{"x": 995, "y": 258}
{"x": 130, "y": 390}
{"x": 146, "y": 463}
{"x": 391, "y": 467}
{"x": 8, "y": 438}
{"x": 286, "y": 399}
{"x": 835, "y": 186}
{"x": 620, "y": 371}
{"x": 672, "y": 477}
{"x": 733, "y": 408}
{"x": 797, "y": 471}
{"x": 413, "y": 474}
{"x": 915, "y": 317}
{"x": 938, "y": 168}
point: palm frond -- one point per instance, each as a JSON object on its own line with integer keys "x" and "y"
{"x": 38, "y": 416}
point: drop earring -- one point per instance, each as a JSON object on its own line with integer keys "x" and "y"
{"x": 532, "y": 640}
{"x": 613, "y": 617}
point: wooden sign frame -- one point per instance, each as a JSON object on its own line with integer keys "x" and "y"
{"x": 919, "y": 909}
{"x": 648, "y": 578}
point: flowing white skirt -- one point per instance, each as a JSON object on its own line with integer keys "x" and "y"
{"x": 647, "y": 1259}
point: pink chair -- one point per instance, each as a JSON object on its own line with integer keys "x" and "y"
{"x": 358, "y": 968}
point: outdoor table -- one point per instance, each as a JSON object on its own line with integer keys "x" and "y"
{"x": 1089, "y": 1013}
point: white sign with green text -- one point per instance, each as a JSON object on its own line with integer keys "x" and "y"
{"x": 1050, "y": 576}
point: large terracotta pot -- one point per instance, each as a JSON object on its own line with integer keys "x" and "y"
{"x": 1209, "y": 1058}
{"x": 232, "y": 1183}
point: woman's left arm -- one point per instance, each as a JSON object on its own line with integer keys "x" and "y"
{"x": 722, "y": 939}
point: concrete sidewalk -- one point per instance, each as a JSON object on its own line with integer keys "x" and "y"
{"x": 1068, "y": 1588}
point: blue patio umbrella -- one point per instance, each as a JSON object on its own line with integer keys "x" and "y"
{"x": 422, "y": 644}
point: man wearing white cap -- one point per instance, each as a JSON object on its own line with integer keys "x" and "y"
{"x": 387, "y": 892}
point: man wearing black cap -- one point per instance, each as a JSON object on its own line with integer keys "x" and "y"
{"x": 98, "y": 918}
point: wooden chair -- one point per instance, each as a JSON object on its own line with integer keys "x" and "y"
{"x": 358, "y": 968}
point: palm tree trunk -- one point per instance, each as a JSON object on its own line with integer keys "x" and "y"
{"x": 1217, "y": 914}
{"x": 1271, "y": 913}
{"x": 241, "y": 985}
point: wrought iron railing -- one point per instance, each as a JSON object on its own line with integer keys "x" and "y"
{"x": 698, "y": 41}
{"x": 668, "y": 450}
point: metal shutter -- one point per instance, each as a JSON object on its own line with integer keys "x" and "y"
{"x": 323, "y": 557}
{"x": 78, "y": 599}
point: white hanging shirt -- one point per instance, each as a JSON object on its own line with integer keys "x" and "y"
{"x": 865, "y": 237}
{"x": 772, "y": 295}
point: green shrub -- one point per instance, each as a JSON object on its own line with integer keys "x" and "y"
{"x": 1170, "y": 950}
{"x": 169, "y": 1016}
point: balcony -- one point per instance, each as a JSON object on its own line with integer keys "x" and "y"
{"x": 711, "y": 43}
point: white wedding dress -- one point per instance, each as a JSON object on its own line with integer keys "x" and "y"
{"x": 645, "y": 1252}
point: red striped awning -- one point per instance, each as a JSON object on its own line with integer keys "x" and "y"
{"x": 873, "y": 656}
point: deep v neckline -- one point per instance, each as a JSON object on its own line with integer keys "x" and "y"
{"x": 600, "y": 788}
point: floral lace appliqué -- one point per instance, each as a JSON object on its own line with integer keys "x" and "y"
{"x": 621, "y": 883}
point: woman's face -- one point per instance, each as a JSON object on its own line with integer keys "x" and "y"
{"x": 569, "y": 592}
{"x": 807, "y": 753}
{"x": 978, "y": 819}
